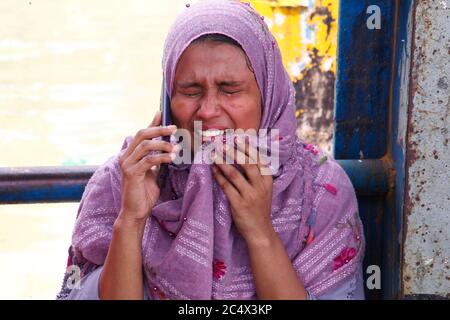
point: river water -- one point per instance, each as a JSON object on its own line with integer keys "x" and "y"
{"x": 76, "y": 77}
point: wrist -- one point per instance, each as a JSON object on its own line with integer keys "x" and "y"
{"x": 129, "y": 223}
{"x": 264, "y": 240}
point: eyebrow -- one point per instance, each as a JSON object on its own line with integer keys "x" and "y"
{"x": 193, "y": 84}
{"x": 231, "y": 83}
{"x": 188, "y": 84}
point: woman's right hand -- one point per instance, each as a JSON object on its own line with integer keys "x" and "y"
{"x": 140, "y": 170}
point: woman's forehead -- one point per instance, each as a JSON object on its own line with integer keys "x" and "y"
{"x": 222, "y": 77}
{"x": 218, "y": 59}
{"x": 213, "y": 51}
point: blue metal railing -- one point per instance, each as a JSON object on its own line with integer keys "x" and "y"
{"x": 366, "y": 122}
{"x": 66, "y": 184}
{"x": 43, "y": 184}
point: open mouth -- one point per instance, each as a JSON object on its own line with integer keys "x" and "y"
{"x": 212, "y": 134}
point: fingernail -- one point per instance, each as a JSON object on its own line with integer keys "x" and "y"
{"x": 176, "y": 148}
{"x": 172, "y": 156}
{"x": 172, "y": 127}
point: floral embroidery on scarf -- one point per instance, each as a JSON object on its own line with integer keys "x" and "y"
{"x": 344, "y": 257}
{"x": 157, "y": 294}
{"x": 310, "y": 237}
{"x": 348, "y": 253}
{"x": 353, "y": 227}
{"x": 330, "y": 188}
{"x": 311, "y": 148}
{"x": 219, "y": 269}
{"x": 69, "y": 260}
{"x": 310, "y": 222}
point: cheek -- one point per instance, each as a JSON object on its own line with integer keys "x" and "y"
{"x": 181, "y": 113}
{"x": 248, "y": 116}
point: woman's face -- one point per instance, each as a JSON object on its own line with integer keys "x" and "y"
{"x": 214, "y": 84}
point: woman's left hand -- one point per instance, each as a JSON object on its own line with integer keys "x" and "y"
{"x": 250, "y": 196}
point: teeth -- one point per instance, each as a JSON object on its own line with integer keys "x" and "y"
{"x": 212, "y": 132}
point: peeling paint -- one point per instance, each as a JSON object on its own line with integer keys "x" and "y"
{"x": 403, "y": 71}
{"x": 427, "y": 199}
{"x": 306, "y": 31}
{"x": 315, "y": 112}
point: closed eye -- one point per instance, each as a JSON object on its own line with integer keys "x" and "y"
{"x": 191, "y": 94}
{"x": 230, "y": 92}
{"x": 231, "y": 87}
{"x": 189, "y": 89}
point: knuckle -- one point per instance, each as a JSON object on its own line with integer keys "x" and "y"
{"x": 146, "y": 144}
{"x": 166, "y": 131}
{"x": 149, "y": 159}
{"x": 123, "y": 164}
{"x": 222, "y": 184}
{"x": 140, "y": 133}
{"x": 167, "y": 146}
{"x": 127, "y": 172}
{"x": 233, "y": 174}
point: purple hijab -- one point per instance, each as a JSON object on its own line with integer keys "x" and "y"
{"x": 191, "y": 248}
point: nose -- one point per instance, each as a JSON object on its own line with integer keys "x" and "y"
{"x": 209, "y": 107}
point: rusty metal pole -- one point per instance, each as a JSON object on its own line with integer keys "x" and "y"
{"x": 426, "y": 230}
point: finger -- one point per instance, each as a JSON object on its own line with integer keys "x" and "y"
{"x": 251, "y": 169}
{"x": 147, "y": 146}
{"x": 147, "y": 134}
{"x": 254, "y": 172}
{"x": 235, "y": 177}
{"x": 229, "y": 190}
{"x": 219, "y": 155}
{"x": 149, "y": 161}
{"x": 245, "y": 145}
{"x": 248, "y": 163}
{"x": 255, "y": 155}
